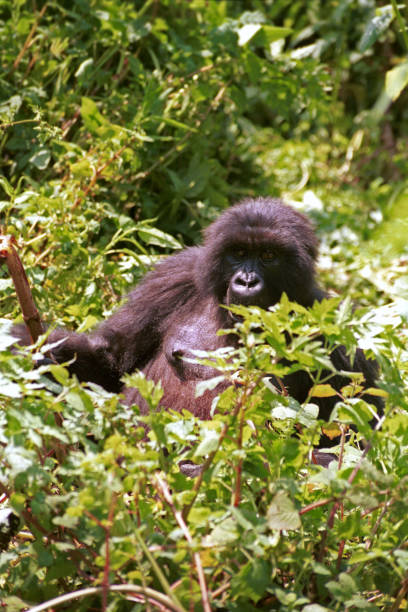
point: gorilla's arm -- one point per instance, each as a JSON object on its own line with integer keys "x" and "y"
{"x": 133, "y": 334}
{"x": 299, "y": 383}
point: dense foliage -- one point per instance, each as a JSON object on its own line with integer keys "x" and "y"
{"x": 125, "y": 128}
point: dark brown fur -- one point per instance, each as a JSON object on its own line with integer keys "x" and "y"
{"x": 178, "y": 307}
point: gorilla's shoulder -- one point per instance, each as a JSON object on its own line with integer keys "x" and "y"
{"x": 172, "y": 279}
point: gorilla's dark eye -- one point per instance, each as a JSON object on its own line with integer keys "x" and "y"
{"x": 268, "y": 254}
{"x": 240, "y": 252}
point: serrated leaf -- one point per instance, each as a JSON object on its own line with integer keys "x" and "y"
{"x": 282, "y": 513}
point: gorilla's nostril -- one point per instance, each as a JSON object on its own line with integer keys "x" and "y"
{"x": 246, "y": 282}
{"x": 252, "y": 282}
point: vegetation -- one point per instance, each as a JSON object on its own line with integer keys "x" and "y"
{"x": 125, "y": 128}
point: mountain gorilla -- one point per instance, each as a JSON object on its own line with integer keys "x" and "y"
{"x": 254, "y": 252}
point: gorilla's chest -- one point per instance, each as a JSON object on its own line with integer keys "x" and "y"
{"x": 174, "y": 364}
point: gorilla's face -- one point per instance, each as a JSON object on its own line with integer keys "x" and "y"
{"x": 255, "y": 252}
{"x": 253, "y": 275}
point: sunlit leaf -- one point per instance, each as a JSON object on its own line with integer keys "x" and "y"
{"x": 396, "y": 80}
{"x": 282, "y": 513}
{"x": 323, "y": 391}
{"x": 375, "y": 27}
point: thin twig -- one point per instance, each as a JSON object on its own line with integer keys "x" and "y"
{"x": 210, "y": 458}
{"x": 341, "y": 455}
{"x": 337, "y": 504}
{"x": 124, "y": 588}
{"x": 29, "y": 37}
{"x": 98, "y": 173}
{"x": 400, "y": 596}
{"x": 158, "y": 571}
{"x": 241, "y": 405}
{"x": 160, "y": 161}
{"x": 400, "y": 23}
{"x": 377, "y": 523}
{"x": 316, "y": 504}
{"x": 3, "y": 126}
{"x": 164, "y": 490}
{"x": 107, "y": 527}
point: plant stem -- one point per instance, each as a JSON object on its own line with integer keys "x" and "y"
{"x": 400, "y": 23}
{"x": 196, "y": 555}
{"x": 124, "y": 588}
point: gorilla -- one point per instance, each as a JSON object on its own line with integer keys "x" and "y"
{"x": 251, "y": 254}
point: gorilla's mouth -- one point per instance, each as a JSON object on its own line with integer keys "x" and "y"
{"x": 233, "y": 299}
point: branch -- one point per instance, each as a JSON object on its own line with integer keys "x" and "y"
{"x": 177, "y": 146}
{"x": 196, "y": 556}
{"x": 29, "y": 37}
{"x": 99, "y": 172}
{"x": 24, "y": 295}
{"x": 125, "y": 588}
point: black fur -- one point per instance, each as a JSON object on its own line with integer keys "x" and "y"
{"x": 253, "y": 253}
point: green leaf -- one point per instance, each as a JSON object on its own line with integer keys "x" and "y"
{"x": 92, "y": 118}
{"x": 224, "y": 533}
{"x": 9, "y": 388}
{"x": 41, "y": 158}
{"x": 6, "y": 332}
{"x": 88, "y": 63}
{"x": 262, "y": 34}
{"x": 6, "y": 186}
{"x": 252, "y": 580}
{"x": 344, "y": 588}
{"x": 282, "y": 513}
{"x": 323, "y": 391}
{"x": 396, "y": 80}
{"x": 246, "y": 32}
{"x": 208, "y": 385}
{"x": 269, "y": 34}
{"x": 5, "y": 283}
{"x": 19, "y": 459}
{"x": 10, "y": 108}
{"x": 209, "y": 442}
{"x": 375, "y": 27}
{"x": 180, "y": 431}
{"x": 152, "y": 235}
